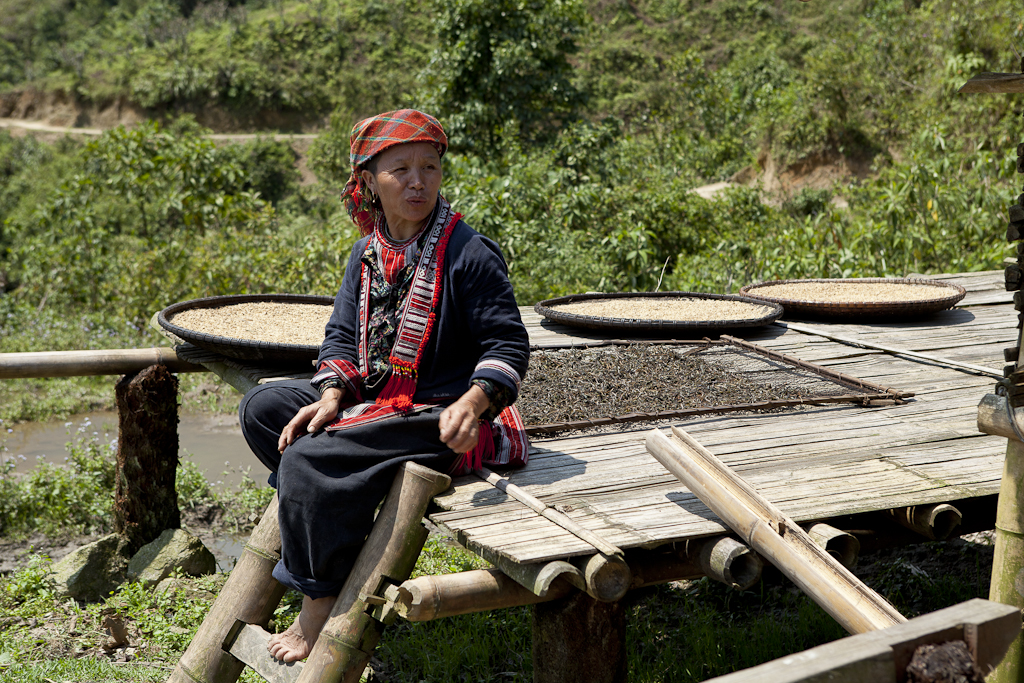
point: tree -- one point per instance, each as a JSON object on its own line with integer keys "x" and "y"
{"x": 502, "y": 64}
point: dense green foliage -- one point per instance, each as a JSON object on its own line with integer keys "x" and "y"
{"x": 248, "y": 57}
{"x": 579, "y": 130}
{"x": 502, "y": 64}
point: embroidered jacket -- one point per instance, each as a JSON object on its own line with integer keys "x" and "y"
{"x": 478, "y": 333}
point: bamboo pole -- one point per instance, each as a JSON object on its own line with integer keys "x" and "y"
{"x": 100, "y": 362}
{"x": 728, "y": 561}
{"x": 855, "y": 606}
{"x": 1008, "y": 562}
{"x": 994, "y": 418}
{"x": 935, "y": 521}
{"x": 250, "y": 595}
{"x": 350, "y": 635}
{"x": 481, "y": 590}
{"x": 605, "y": 578}
{"x": 433, "y": 597}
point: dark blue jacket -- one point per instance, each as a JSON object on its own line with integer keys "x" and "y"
{"x": 478, "y": 332}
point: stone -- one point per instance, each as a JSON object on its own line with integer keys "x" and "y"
{"x": 173, "y": 549}
{"x": 92, "y": 571}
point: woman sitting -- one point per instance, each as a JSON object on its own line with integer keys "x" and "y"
{"x": 422, "y": 360}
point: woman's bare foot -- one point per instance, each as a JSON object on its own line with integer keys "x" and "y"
{"x": 297, "y": 640}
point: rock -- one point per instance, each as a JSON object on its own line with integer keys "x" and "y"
{"x": 92, "y": 571}
{"x": 175, "y": 548}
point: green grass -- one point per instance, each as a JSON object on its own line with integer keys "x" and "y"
{"x": 676, "y": 633}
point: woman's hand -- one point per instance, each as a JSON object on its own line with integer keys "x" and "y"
{"x": 459, "y": 428}
{"x": 312, "y": 417}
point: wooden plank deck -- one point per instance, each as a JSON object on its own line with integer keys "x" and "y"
{"x": 813, "y": 463}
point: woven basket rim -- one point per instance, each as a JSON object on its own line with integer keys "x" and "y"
{"x": 245, "y": 349}
{"x": 589, "y": 321}
{"x": 862, "y": 307}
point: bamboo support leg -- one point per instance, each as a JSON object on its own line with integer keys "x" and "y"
{"x": 579, "y": 640}
{"x": 1008, "y": 565}
{"x": 351, "y": 633}
{"x": 935, "y": 521}
{"x": 839, "y": 544}
{"x": 250, "y": 595}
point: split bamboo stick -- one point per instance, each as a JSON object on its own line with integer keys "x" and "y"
{"x": 906, "y": 353}
{"x": 604, "y": 576}
{"x": 81, "y": 363}
{"x": 538, "y": 506}
{"x": 855, "y": 606}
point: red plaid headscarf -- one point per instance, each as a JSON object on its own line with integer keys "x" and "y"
{"x": 372, "y": 136}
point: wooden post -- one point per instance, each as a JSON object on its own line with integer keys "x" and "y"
{"x": 579, "y": 640}
{"x": 250, "y": 595}
{"x": 145, "y": 501}
{"x": 357, "y": 620}
{"x": 1008, "y": 562}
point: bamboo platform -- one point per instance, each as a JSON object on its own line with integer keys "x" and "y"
{"x": 814, "y": 463}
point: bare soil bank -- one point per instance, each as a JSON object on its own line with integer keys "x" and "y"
{"x": 59, "y": 108}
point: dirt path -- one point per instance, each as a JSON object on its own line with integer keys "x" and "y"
{"x": 299, "y": 142}
{"x": 229, "y": 137}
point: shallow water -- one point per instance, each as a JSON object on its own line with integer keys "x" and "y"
{"x": 213, "y": 441}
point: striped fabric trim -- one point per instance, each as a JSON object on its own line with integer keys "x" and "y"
{"x": 414, "y": 326}
{"x": 415, "y": 319}
{"x": 502, "y": 367}
{"x": 393, "y": 256}
{"x": 512, "y": 448}
{"x": 503, "y": 444}
{"x": 369, "y": 413}
{"x": 344, "y": 370}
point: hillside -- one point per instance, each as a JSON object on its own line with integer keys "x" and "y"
{"x": 578, "y": 129}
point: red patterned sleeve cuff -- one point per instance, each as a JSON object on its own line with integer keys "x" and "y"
{"x": 344, "y": 372}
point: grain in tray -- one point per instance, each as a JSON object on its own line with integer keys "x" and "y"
{"x": 852, "y": 292}
{"x": 665, "y": 308}
{"x": 276, "y": 323}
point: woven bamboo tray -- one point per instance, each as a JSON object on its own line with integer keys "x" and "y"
{"x": 245, "y": 349}
{"x": 691, "y": 327}
{"x": 862, "y": 309}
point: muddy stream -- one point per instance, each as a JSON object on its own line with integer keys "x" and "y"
{"x": 213, "y": 442}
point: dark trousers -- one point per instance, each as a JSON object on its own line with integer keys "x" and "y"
{"x": 330, "y": 483}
